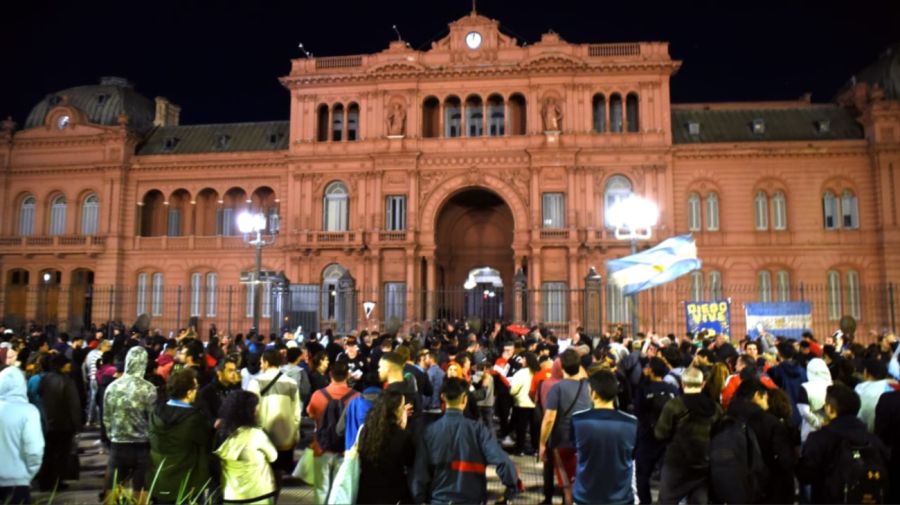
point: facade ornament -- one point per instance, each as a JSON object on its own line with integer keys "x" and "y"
{"x": 396, "y": 120}
{"x": 552, "y": 114}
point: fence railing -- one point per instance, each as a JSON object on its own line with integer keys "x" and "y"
{"x": 600, "y": 307}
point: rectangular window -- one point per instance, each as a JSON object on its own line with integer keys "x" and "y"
{"x": 853, "y": 303}
{"x": 779, "y": 210}
{"x": 850, "y": 210}
{"x": 394, "y": 301}
{"x": 761, "y": 206}
{"x": 266, "y": 302}
{"x": 697, "y": 286}
{"x": 212, "y": 281}
{"x": 694, "y": 212}
{"x": 58, "y": 219}
{"x": 617, "y": 305}
{"x": 554, "y": 210}
{"x": 715, "y": 286}
{"x": 195, "y": 294}
{"x": 174, "y": 224}
{"x": 833, "y": 295}
{"x": 395, "y": 213}
{"x": 765, "y": 286}
{"x": 141, "y": 295}
{"x": 26, "y": 220}
{"x": 156, "y": 301}
{"x": 783, "y": 286}
{"x": 89, "y": 219}
{"x": 553, "y": 298}
{"x": 829, "y": 208}
{"x": 336, "y": 213}
{"x": 712, "y": 212}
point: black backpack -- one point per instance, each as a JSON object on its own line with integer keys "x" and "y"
{"x": 327, "y": 434}
{"x": 653, "y": 404}
{"x": 737, "y": 472}
{"x": 861, "y": 473}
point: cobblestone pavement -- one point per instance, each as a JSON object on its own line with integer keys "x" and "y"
{"x": 93, "y": 464}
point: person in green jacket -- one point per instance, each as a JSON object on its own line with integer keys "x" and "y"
{"x": 180, "y": 435}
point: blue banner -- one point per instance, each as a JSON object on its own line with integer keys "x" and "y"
{"x": 782, "y": 319}
{"x": 712, "y": 316}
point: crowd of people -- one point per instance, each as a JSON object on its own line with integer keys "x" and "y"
{"x": 424, "y": 412}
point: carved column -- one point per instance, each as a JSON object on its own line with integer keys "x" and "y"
{"x": 430, "y": 280}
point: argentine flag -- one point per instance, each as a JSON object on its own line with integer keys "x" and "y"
{"x": 669, "y": 260}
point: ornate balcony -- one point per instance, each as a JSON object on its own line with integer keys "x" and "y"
{"x": 57, "y": 244}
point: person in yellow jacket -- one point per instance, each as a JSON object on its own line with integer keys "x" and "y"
{"x": 246, "y": 454}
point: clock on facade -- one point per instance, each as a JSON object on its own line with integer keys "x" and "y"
{"x": 473, "y": 40}
{"x": 63, "y": 121}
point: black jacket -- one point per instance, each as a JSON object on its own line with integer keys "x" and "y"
{"x": 818, "y": 464}
{"x": 887, "y": 428}
{"x": 62, "y": 407}
{"x": 210, "y": 398}
{"x": 774, "y": 440}
{"x": 686, "y": 423}
{"x": 179, "y": 451}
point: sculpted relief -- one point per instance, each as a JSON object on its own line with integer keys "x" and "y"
{"x": 396, "y": 120}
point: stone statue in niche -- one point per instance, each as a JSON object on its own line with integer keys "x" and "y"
{"x": 552, "y": 114}
{"x": 396, "y": 120}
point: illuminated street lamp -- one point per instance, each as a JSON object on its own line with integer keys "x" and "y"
{"x": 633, "y": 219}
{"x": 252, "y": 225}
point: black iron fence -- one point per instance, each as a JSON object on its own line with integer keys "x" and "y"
{"x": 599, "y": 307}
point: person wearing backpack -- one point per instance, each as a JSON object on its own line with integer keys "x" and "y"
{"x": 652, "y": 395}
{"x": 843, "y": 462}
{"x": 326, "y": 407}
{"x": 279, "y": 408}
{"x": 685, "y": 424}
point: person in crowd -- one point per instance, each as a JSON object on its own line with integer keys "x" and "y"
{"x": 358, "y": 408}
{"x": 564, "y": 399}
{"x": 179, "y": 443}
{"x": 252, "y": 370}
{"x": 789, "y": 376}
{"x": 89, "y": 370}
{"x": 454, "y": 453}
{"x": 318, "y": 377}
{"x": 127, "y": 404}
{"x": 604, "y": 441}
{"x": 292, "y": 368}
{"x": 21, "y": 439}
{"x": 432, "y": 406}
{"x": 887, "y": 428}
{"x": 811, "y": 397}
{"x": 62, "y": 417}
{"x": 875, "y": 383}
{"x": 390, "y": 371}
{"x": 821, "y": 463}
{"x": 191, "y": 354}
{"x": 751, "y": 405}
{"x": 715, "y": 381}
{"x": 745, "y": 366}
{"x": 485, "y": 399}
{"x": 652, "y": 395}
{"x": 226, "y": 381}
{"x": 246, "y": 454}
{"x": 355, "y": 362}
{"x": 386, "y": 452}
{"x": 279, "y": 408}
{"x": 325, "y": 407}
{"x": 166, "y": 360}
{"x": 685, "y": 424}
{"x": 523, "y": 409}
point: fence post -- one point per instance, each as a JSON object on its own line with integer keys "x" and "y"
{"x": 112, "y": 297}
{"x": 592, "y": 318}
{"x": 802, "y": 292}
{"x": 891, "y": 301}
{"x": 520, "y": 284}
{"x": 230, "y": 293}
{"x": 178, "y": 306}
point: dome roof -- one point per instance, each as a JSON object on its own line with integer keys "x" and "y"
{"x": 885, "y": 72}
{"x": 101, "y": 103}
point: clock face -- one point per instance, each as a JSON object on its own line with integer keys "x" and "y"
{"x": 473, "y": 40}
{"x": 63, "y": 121}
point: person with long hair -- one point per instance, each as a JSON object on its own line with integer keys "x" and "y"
{"x": 386, "y": 452}
{"x": 715, "y": 383}
{"x": 246, "y": 454}
{"x": 523, "y": 410}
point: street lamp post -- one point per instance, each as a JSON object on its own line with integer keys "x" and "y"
{"x": 633, "y": 219}
{"x": 252, "y": 225}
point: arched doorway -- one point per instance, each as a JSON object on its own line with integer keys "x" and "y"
{"x": 81, "y": 299}
{"x": 473, "y": 233}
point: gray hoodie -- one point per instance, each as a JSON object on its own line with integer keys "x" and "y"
{"x": 128, "y": 401}
{"x": 21, "y": 439}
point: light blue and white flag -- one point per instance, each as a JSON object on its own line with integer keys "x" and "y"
{"x": 782, "y": 319}
{"x": 669, "y": 260}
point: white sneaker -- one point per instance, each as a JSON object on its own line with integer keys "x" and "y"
{"x": 507, "y": 442}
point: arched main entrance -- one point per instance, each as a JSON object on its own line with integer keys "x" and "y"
{"x": 473, "y": 230}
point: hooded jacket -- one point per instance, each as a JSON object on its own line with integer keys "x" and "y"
{"x": 179, "y": 452}
{"x": 686, "y": 423}
{"x": 62, "y": 407}
{"x": 246, "y": 458}
{"x": 790, "y": 376}
{"x": 21, "y": 439}
{"x": 128, "y": 401}
{"x": 819, "y": 378}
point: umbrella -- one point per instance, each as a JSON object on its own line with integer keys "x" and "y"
{"x": 518, "y": 329}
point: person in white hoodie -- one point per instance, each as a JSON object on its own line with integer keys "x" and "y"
{"x": 246, "y": 454}
{"x": 21, "y": 439}
{"x": 875, "y": 384}
{"x": 811, "y": 400}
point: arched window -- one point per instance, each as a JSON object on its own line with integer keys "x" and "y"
{"x": 517, "y": 114}
{"x": 712, "y": 212}
{"x": 330, "y": 277}
{"x": 337, "y": 122}
{"x": 694, "y": 212}
{"x": 715, "y": 285}
{"x": 615, "y": 113}
{"x": 141, "y": 295}
{"x": 212, "y": 284}
{"x": 322, "y": 123}
{"x": 833, "y": 295}
{"x": 849, "y": 210}
{"x": 779, "y": 211}
{"x": 431, "y": 110}
{"x": 761, "y": 206}
{"x": 452, "y": 117}
{"x": 156, "y": 301}
{"x": 474, "y": 116}
{"x": 782, "y": 286}
{"x": 90, "y": 214}
{"x": 631, "y": 112}
{"x": 599, "y": 108}
{"x": 618, "y": 188}
{"x": 853, "y": 303}
{"x": 26, "y": 216}
{"x": 830, "y": 210}
{"x": 352, "y": 122}
{"x": 196, "y": 285}
{"x": 764, "y": 281}
{"x": 696, "y": 285}
{"x": 58, "y": 216}
{"x": 496, "y": 116}
{"x": 336, "y": 203}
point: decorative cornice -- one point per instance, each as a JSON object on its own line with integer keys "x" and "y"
{"x": 744, "y": 152}
{"x": 481, "y": 160}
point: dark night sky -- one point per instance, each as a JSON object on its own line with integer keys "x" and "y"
{"x": 220, "y": 60}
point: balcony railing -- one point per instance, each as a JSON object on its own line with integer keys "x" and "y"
{"x": 189, "y": 243}
{"x": 56, "y": 243}
{"x": 555, "y": 234}
{"x": 392, "y": 236}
